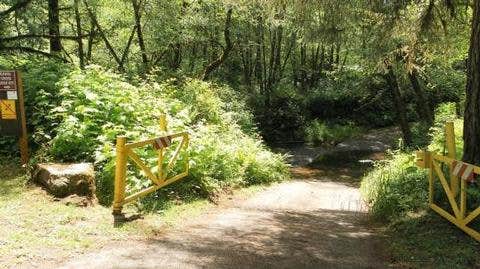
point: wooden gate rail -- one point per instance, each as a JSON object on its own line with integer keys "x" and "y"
{"x": 161, "y": 179}
{"x": 433, "y": 162}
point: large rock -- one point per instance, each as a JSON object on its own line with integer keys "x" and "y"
{"x": 62, "y": 180}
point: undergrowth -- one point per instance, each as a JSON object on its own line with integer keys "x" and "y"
{"x": 397, "y": 192}
{"x": 320, "y": 133}
{"x": 80, "y": 116}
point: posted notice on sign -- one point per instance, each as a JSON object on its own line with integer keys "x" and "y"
{"x": 8, "y": 110}
{"x": 8, "y": 81}
{"x": 12, "y": 95}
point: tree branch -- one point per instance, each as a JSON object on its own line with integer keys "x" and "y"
{"x": 19, "y": 37}
{"x": 109, "y": 46}
{"x": 226, "y": 51}
{"x": 33, "y": 51}
{"x": 17, "y": 6}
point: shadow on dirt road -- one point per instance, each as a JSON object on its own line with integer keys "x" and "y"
{"x": 317, "y": 220}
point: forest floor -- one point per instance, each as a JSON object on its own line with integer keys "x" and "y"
{"x": 317, "y": 220}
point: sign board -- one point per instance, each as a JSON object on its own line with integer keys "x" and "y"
{"x": 8, "y": 81}
{"x": 12, "y": 109}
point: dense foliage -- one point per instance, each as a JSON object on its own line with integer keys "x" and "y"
{"x": 396, "y": 186}
{"x": 397, "y": 192}
{"x": 294, "y": 62}
{"x": 91, "y": 108}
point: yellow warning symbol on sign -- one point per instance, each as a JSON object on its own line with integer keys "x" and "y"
{"x": 8, "y": 110}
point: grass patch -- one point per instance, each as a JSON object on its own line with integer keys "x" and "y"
{"x": 35, "y": 228}
{"x": 426, "y": 240}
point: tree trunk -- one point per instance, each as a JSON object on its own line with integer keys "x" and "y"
{"x": 193, "y": 57}
{"x": 78, "y": 22}
{"x": 278, "y": 55}
{"x": 54, "y": 26}
{"x": 126, "y": 51}
{"x": 398, "y": 103}
{"x": 177, "y": 56}
{"x": 423, "y": 105}
{"x": 228, "y": 48}
{"x": 91, "y": 39}
{"x": 322, "y": 59}
{"x": 337, "y": 57}
{"x": 141, "y": 43}
{"x": 109, "y": 46}
{"x": 471, "y": 128}
{"x": 260, "y": 73}
{"x": 331, "y": 58}
{"x": 303, "y": 67}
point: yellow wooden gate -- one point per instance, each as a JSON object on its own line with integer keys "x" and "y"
{"x": 457, "y": 197}
{"x": 163, "y": 176}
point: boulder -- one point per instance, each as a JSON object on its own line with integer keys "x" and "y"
{"x": 75, "y": 200}
{"x": 62, "y": 180}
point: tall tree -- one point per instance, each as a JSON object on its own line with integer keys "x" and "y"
{"x": 138, "y": 25}
{"x": 78, "y": 24}
{"x": 398, "y": 102}
{"x": 471, "y": 133}
{"x": 54, "y": 26}
{"x": 227, "y": 49}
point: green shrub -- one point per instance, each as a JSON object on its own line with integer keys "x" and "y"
{"x": 445, "y": 84}
{"x": 354, "y": 95}
{"x": 395, "y": 186}
{"x": 282, "y": 116}
{"x": 318, "y": 132}
{"x": 40, "y": 79}
{"x": 225, "y": 151}
{"x": 444, "y": 113}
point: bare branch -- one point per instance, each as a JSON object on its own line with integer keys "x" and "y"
{"x": 32, "y": 51}
{"x": 17, "y": 6}
{"x": 19, "y": 37}
{"x": 228, "y": 47}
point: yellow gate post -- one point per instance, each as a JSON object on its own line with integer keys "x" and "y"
{"x": 163, "y": 129}
{"x": 452, "y": 153}
{"x": 120, "y": 175}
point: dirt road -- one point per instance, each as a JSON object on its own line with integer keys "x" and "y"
{"x": 315, "y": 221}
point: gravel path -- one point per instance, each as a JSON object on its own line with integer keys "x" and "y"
{"x": 317, "y": 220}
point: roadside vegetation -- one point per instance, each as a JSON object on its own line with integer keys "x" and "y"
{"x": 79, "y": 117}
{"x": 397, "y": 192}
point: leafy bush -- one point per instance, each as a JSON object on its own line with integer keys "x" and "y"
{"x": 395, "y": 186}
{"x": 40, "y": 79}
{"x": 318, "y": 132}
{"x": 283, "y": 116}
{"x": 98, "y": 105}
{"x": 352, "y": 95}
{"x": 446, "y": 84}
{"x": 444, "y": 113}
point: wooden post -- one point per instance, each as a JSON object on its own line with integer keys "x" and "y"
{"x": 429, "y": 164}
{"x": 23, "y": 140}
{"x": 163, "y": 129}
{"x": 120, "y": 175}
{"x": 463, "y": 199}
{"x": 452, "y": 153}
